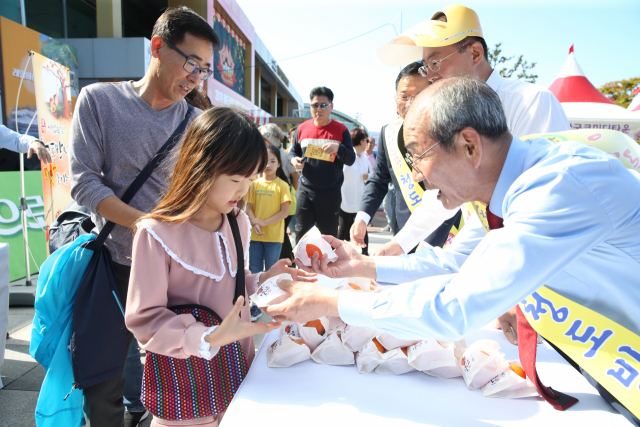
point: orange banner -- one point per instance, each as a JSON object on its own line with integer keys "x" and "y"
{"x": 53, "y": 103}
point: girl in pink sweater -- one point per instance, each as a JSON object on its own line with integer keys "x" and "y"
{"x": 185, "y": 265}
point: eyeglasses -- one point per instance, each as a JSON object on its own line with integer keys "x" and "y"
{"x": 404, "y": 98}
{"x": 190, "y": 65}
{"x": 322, "y": 106}
{"x": 435, "y": 65}
{"x": 412, "y": 160}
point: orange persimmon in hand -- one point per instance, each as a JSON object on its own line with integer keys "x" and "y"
{"x": 311, "y": 249}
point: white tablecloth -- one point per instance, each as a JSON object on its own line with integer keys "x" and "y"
{"x": 310, "y": 394}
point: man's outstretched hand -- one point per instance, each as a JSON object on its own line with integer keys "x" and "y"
{"x": 350, "y": 263}
{"x": 308, "y": 301}
{"x": 389, "y": 249}
{"x": 357, "y": 232}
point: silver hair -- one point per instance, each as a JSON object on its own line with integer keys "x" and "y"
{"x": 461, "y": 102}
{"x": 272, "y": 133}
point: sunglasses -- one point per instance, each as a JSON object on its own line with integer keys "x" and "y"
{"x": 322, "y": 106}
{"x": 190, "y": 65}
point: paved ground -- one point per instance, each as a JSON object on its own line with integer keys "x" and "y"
{"x": 22, "y": 376}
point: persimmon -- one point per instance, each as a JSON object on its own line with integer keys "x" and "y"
{"x": 356, "y": 287}
{"x": 483, "y": 353}
{"x": 299, "y": 342}
{"x": 518, "y": 370}
{"x": 311, "y": 249}
{"x": 315, "y": 324}
{"x": 404, "y": 350}
{"x": 379, "y": 346}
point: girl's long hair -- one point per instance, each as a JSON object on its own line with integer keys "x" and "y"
{"x": 221, "y": 141}
{"x": 279, "y": 172}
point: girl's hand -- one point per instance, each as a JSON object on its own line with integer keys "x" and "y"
{"x": 260, "y": 222}
{"x": 284, "y": 266}
{"x": 258, "y": 230}
{"x": 253, "y": 221}
{"x": 234, "y": 329}
{"x": 365, "y": 176}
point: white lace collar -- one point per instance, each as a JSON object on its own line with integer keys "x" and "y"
{"x": 191, "y": 247}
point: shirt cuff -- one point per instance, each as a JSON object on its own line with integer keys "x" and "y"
{"x": 406, "y": 241}
{"x": 24, "y": 143}
{"x": 389, "y": 269}
{"x": 205, "y": 349}
{"x": 356, "y": 308}
{"x": 363, "y": 216}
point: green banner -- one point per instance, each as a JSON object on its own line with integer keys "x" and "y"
{"x": 11, "y": 224}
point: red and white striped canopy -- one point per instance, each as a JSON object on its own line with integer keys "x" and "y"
{"x": 571, "y": 85}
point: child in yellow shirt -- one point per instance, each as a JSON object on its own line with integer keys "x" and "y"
{"x": 268, "y": 203}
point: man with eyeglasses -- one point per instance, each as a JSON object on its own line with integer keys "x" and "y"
{"x": 321, "y": 147}
{"x": 563, "y": 219}
{"x": 116, "y": 129}
{"x": 452, "y": 43}
{"x": 409, "y": 194}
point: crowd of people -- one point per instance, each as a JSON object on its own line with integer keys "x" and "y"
{"x": 208, "y": 229}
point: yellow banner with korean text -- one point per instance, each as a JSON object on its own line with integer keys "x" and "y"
{"x": 53, "y": 103}
{"x": 609, "y": 352}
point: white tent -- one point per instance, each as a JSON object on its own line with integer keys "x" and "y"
{"x": 586, "y": 107}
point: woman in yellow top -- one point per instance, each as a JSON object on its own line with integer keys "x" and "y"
{"x": 268, "y": 203}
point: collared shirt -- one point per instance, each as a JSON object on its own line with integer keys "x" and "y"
{"x": 14, "y": 141}
{"x": 529, "y": 109}
{"x": 571, "y": 222}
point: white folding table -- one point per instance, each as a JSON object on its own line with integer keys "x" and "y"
{"x": 309, "y": 394}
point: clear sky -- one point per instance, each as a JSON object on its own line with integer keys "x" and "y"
{"x": 605, "y": 35}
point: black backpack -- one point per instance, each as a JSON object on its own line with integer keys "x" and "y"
{"x": 74, "y": 221}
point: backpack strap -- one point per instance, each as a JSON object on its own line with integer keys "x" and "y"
{"x": 142, "y": 177}
{"x": 240, "y": 285}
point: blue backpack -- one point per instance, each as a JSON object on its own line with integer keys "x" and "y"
{"x": 60, "y": 276}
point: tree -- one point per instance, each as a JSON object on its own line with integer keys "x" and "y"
{"x": 521, "y": 68}
{"x": 621, "y": 91}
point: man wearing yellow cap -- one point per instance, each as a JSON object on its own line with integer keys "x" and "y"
{"x": 452, "y": 43}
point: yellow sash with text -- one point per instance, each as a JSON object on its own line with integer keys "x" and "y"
{"x": 411, "y": 190}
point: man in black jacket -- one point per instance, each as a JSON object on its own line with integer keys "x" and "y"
{"x": 321, "y": 147}
{"x": 408, "y": 84}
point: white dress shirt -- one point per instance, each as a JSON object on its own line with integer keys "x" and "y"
{"x": 529, "y": 109}
{"x": 353, "y": 187}
{"x": 571, "y": 222}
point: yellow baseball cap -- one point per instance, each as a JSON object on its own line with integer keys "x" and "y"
{"x": 461, "y": 22}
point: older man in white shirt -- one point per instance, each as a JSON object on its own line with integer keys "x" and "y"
{"x": 529, "y": 108}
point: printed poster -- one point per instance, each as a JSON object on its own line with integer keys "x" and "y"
{"x": 229, "y": 59}
{"x": 53, "y": 102}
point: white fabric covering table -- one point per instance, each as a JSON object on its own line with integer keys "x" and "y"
{"x": 309, "y": 394}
